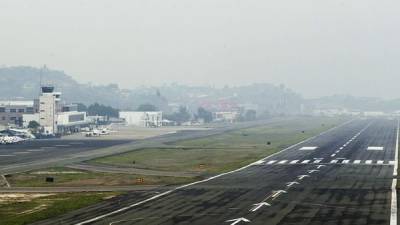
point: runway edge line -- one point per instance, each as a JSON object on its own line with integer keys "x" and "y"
{"x": 393, "y": 207}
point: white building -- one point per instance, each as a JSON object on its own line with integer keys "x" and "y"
{"x": 226, "y": 116}
{"x": 142, "y": 119}
{"x": 48, "y": 107}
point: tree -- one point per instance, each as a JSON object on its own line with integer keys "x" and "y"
{"x": 204, "y": 114}
{"x": 34, "y": 126}
{"x": 181, "y": 116}
{"x": 250, "y": 115}
{"x": 97, "y": 109}
{"x": 147, "y": 108}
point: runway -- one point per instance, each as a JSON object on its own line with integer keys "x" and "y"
{"x": 343, "y": 176}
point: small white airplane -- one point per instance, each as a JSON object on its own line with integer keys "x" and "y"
{"x": 97, "y": 132}
{"x": 10, "y": 139}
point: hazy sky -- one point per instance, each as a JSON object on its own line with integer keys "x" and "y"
{"x": 316, "y": 47}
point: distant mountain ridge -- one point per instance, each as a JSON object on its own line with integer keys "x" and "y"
{"x": 23, "y": 82}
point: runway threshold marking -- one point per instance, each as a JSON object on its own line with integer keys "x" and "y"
{"x": 333, "y": 161}
{"x": 308, "y": 148}
{"x": 375, "y": 148}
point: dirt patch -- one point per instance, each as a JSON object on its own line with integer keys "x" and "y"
{"x": 20, "y": 197}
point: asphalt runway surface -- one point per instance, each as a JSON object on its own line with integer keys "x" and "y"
{"x": 341, "y": 177}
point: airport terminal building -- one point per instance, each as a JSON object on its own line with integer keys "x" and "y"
{"x": 53, "y": 116}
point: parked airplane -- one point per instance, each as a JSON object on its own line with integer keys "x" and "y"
{"x": 97, "y": 132}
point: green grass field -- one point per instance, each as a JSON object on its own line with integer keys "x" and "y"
{"x": 224, "y": 152}
{"x": 66, "y": 177}
{"x": 29, "y": 209}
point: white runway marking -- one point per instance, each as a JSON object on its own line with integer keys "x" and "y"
{"x": 238, "y": 220}
{"x": 392, "y": 162}
{"x": 334, "y": 161}
{"x": 345, "y": 161}
{"x": 301, "y": 177}
{"x": 333, "y": 155}
{"x": 368, "y": 162}
{"x": 282, "y": 162}
{"x": 305, "y": 162}
{"x": 258, "y": 206}
{"x": 308, "y": 148}
{"x": 357, "y": 161}
{"x": 271, "y": 162}
{"x": 379, "y": 162}
{"x": 341, "y": 148}
{"x": 375, "y": 148}
{"x": 317, "y": 161}
{"x": 294, "y": 161}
